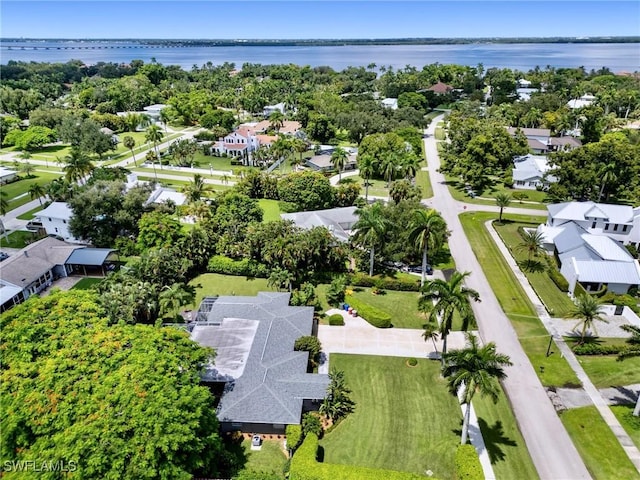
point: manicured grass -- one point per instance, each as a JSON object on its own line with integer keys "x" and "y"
{"x": 606, "y": 371}
{"x": 424, "y": 182}
{"x": 18, "y": 239}
{"x": 404, "y": 419}
{"x": 597, "y": 445}
{"x": 30, "y": 214}
{"x": 270, "y": 459}
{"x": 217, "y": 163}
{"x": 86, "y": 283}
{"x": 458, "y": 192}
{"x": 177, "y": 184}
{"x": 17, "y": 192}
{"x": 271, "y": 210}
{"x": 556, "y": 301}
{"x": 377, "y": 188}
{"x": 514, "y": 302}
{"x": 631, "y": 424}
{"x": 166, "y": 170}
{"x": 505, "y": 445}
{"x": 213, "y": 284}
{"x": 402, "y": 306}
{"x": 439, "y": 133}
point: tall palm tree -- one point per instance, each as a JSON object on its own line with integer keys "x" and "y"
{"x": 37, "y": 191}
{"x": 276, "y": 120}
{"x": 280, "y": 278}
{"x": 389, "y": 167}
{"x": 441, "y": 299}
{"x": 370, "y": 229}
{"x": 154, "y": 135}
{"x": 531, "y": 243}
{"x": 426, "y": 228}
{"x": 588, "y": 309}
{"x": 165, "y": 117}
{"x": 339, "y": 159}
{"x": 300, "y": 146}
{"x": 608, "y": 172}
{"x": 502, "y": 200}
{"x": 474, "y": 369}
{"x": 130, "y": 143}
{"x": 410, "y": 165}
{"x": 77, "y": 165}
{"x": 196, "y": 189}
{"x": 366, "y": 165}
{"x": 633, "y": 350}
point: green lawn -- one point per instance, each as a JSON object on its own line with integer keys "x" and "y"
{"x": 213, "y": 284}
{"x": 271, "y": 210}
{"x": 531, "y": 333}
{"x": 177, "y": 184}
{"x": 86, "y": 283}
{"x": 30, "y": 214}
{"x": 404, "y": 419}
{"x": 377, "y": 188}
{"x": 606, "y": 371}
{"x": 458, "y": 192}
{"x": 424, "y": 182}
{"x": 505, "y": 445}
{"x": 270, "y": 459}
{"x": 17, "y": 192}
{"x": 557, "y": 302}
{"x": 402, "y": 306}
{"x": 631, "y": 424}
{"x": 597, "y": 445}
{"x": 18, "y": 239}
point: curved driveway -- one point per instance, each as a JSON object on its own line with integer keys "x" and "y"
{"x": 549, "y": 444}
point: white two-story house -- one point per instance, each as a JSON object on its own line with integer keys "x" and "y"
{"x": 55, "y": 220}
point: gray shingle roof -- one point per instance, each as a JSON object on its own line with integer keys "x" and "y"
{"x": 273, "y": 381}
{"x": 339, "y": 221}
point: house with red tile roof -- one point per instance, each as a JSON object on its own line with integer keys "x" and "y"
{"x": 441, "y": 88}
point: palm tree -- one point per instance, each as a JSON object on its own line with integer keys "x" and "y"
{"x": 472, "y": 370}
{"x": 28, "y": 169}
{"x": 531, "y": 243}
{"x": 173, "y": 297}
{"x": 366, "y": 165}
{"x": 426, "y": 228}
{"x": 280, "y": 278}
{"x": 370, "y": 229}
{"x": 339, "y": 159}
{"x": 300, "y": 146}
{"x": 77, "y": 165}
{"x": 441, "y": 299}
{"x": 608, "y": 172}
{"x": 196, "y": 189}
{"x": 410, "y": 165}
{"x": 165, "y": 116}
{"x": 154, "y": 135}
{"x": 633, "y": 350}
{"x": 36, "y": 191}
{"x": 4, "y": 204}
{"x": 389, "y": 167}
{"x": 502, "y": 200}
{"x": 588, "y": 309}
{"x": 337, "y": 402}
{"x": 130, "y": 143}
{"x": 431, "y": 332}
{"x": 151, "y": 157}
{"x": 276, "y": 120}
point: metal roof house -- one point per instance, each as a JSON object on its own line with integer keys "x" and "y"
{"x": 266, "y": 384}
{"x": 530, "y": 172}
{"x": 590, "y": 252}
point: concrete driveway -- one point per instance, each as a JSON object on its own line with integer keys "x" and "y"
{"x": 357, "y": 336}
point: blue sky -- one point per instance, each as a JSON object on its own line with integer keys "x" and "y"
{"x": 316, "y": 19}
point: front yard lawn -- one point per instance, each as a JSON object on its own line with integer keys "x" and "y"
{"x": 17, "y": 192}
{"x": 606, "y": 371}
{"x": 18, "y": 239}
{"x": 631, "y": 424}
{"x": 597, "y": 445}
{"x": 404, "y": 419}
{"x": 424, "y": 182}
{"x": 402, "y": 306}
{"x": 458, "y": 191}
{"x": 213, "y": 284}
{"x": 271, "y": 210}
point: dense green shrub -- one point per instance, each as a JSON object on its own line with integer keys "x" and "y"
{"x": 311, "y": 344}
{"x": 311, "y": 423}
{"x": 287, "y": 207}
{"x": 558, "y": 279}
{"x": 412, "y": 362}
{"x": 376, "y": 317}
{"x": 363, "y": 280}
{"x": 621, "y": 300}
{"x": 336, "y": 319}
{"x": 304, "y": 466}
{"x": 335, "y": 292}
{"x": 468, "y": 464}
{"x": 229, "y": 266}
{"x": 294, "y": 437}
{"x": 595, "y": 349}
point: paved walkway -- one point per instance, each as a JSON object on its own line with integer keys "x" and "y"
{"x": 577, "y": 397}
{"x": 551, "y": 449}
{"x": 596, "y": 397}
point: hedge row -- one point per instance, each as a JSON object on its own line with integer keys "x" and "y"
{"x": 364, "y": 280}
{"x": 304, "y": 466}
{"x": 468, "y": 464}
{"x": 336, "y": 319}
{"x": 375, "y": 316}
{"x": 595, "y": 349}
{"x": 294, "y": 436}
{"x": 558, "y": 279}
{"x": 229, "y": 266}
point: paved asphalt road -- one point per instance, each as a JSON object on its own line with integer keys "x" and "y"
{"x": 549, "y": 444}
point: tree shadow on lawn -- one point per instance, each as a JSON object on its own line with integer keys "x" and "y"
{"x": 532, "y": 266}
{"x": 493, "y": 437}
